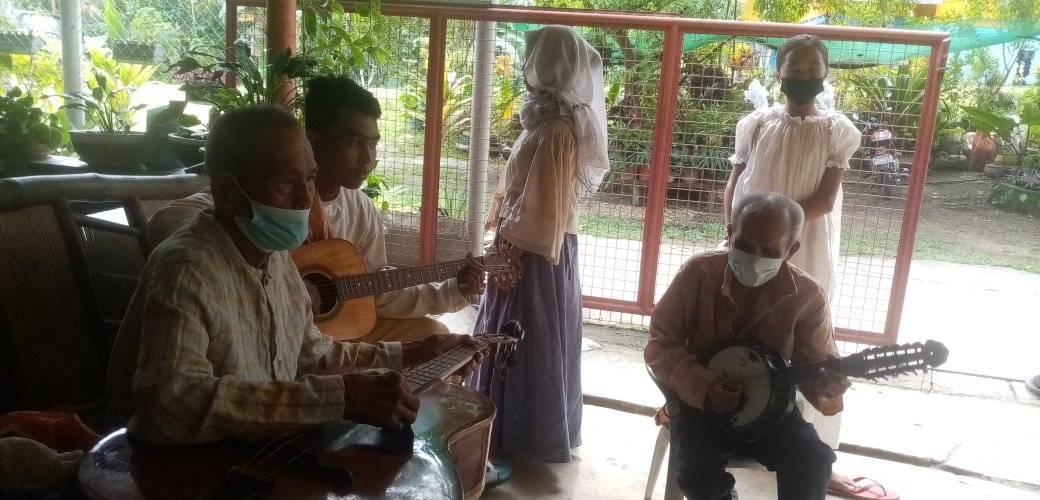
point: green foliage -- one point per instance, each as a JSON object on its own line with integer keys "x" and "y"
{"x": 892, "y": 95}
{"x": 113, "y": 20}
{"x": 25, "y": 128}
{"x": 458, "y": 98}
{"x": 782, "y": 11}
{"x": 452, "y": 202}
{"x": 1004, "y": 127}
{"x": 107, "y": 105}
{"x": 878, "y": 13}
{"x": 204, "y": 74}
{"x": 381, "y": 191}
{"x": 345, "y": 43}
{"x": 38, "y": 74}
{"x": 875, "y": 13}
{"x": 111, "y": 86}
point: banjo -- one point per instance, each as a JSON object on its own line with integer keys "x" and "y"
{"x": 769, "y": 381}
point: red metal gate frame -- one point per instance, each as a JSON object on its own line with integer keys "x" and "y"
{"x": 673, "y": 28}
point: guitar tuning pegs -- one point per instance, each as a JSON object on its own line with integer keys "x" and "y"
{"x": 513, "y": 330}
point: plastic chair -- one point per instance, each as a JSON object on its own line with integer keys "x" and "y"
{"x": 671, "y": 485}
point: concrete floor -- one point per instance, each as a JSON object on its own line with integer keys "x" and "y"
{"x": 615, "y": 460}
{"x": 966, "y": 437}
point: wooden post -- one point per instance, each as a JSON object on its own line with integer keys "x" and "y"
{"x": 281, "y": 35}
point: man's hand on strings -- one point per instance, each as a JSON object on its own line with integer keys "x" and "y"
{"x": 471, "y": 278}
{"x": 723, "y": 395}
{"x": 379, "y": 398}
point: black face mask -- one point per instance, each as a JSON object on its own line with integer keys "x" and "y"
{"x": 800, "y": 91}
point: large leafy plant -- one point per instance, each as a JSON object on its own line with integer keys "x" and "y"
{"x": 345, "y": 43}
{"x": 455, "y": 110}
{"x": 25, "y": 128}
{"x": 106, "y": 105}
{"x": 111, "y": 85}
{"x": 1004, "y": 127}
{"x": 207, "y": 76}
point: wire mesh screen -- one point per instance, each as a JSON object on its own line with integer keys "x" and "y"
{"x": 401, "y": 90}
{"x": 884, "y": 102}
{"x": 483, "y": 91}
{"x": 609, "y": 229}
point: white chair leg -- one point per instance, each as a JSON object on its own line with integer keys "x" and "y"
{"x": 671, "y": 483}
{"x": 655, "y": 463}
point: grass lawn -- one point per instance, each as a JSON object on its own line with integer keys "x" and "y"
{"x": 929, "y": 245}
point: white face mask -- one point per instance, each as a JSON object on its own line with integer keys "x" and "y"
{"x": 752, "y": 270}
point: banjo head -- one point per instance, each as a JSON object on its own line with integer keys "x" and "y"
{"x": 742, "y": 363}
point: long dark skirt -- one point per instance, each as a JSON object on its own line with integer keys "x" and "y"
{"x": 539, "y": 402}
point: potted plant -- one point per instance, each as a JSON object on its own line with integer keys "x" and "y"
{"x": 134, "y": 51}
{"x": 112, "y": 145}
{"x": 26, "y": 131}
{"x": 1006, "y": 130}
{"x": 206, "y": 77}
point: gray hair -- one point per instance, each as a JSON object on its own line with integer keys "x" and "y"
{"x": 764, "y": 203}
{"x": 238, "y": 138}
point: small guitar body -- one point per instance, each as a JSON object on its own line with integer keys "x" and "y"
{"x": 444, "y": 459}
{"x": 320, "y": 263}
{"x": 769, "y": 380}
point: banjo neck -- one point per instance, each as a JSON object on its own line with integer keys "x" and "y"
{"x": 873, "y": 363}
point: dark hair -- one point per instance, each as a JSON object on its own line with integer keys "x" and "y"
{"x": 329, "y": 96}
{"x": 797, "y": 42}
{"x": 238, "y": 138}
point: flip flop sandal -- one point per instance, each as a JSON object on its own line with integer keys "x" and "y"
{"x": 496, "y": 474}
{"x": 864, "y": 489}
{"x": 1033, "y": 384}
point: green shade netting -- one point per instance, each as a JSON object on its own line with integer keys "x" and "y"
{"x": 860, "y": 54}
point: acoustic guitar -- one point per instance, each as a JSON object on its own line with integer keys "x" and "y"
{"x": 343, "y": 291}
{"x": 769, "y": 381}
{"x": 440, "y": 456}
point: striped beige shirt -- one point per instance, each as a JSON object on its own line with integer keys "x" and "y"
{"x": 212, "y": 347}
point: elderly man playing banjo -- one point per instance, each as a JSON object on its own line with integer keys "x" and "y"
{"x": 752, "y": 297}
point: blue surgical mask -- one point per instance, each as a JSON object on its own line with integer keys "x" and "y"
{"x": 752, "y": 270}
{"x": 273, "y": 229}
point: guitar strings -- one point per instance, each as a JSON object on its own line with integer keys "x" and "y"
{"x": 299, "y": 434}
{"x": 257, "y": 454}
{"x": 330, "y": 290}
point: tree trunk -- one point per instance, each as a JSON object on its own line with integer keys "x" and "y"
{"x": 629, "y": 107}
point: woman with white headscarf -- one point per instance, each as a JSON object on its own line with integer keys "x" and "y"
{"x": 559, "y": 158}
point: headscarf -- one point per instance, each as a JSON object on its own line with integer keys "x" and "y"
{"x": 561, "y": 68}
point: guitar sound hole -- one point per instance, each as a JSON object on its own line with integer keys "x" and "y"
{"x": 320, "y": 288}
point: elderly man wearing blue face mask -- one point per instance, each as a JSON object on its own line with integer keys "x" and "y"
{"x": 750, "y": 292}
{"x": 219, "y": 339}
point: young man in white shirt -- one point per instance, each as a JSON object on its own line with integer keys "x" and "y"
{"x": 343, "y": 129}
{"x": 342, "y": 121}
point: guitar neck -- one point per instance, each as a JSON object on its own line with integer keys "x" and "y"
{"x": 441, "y": 367}
{"x": 363, "y": 285}
{"x": 873, "y": 363}
{"x": 805, "y": 372}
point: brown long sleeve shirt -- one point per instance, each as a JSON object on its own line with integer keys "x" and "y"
{"x": 699, "y": 315}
